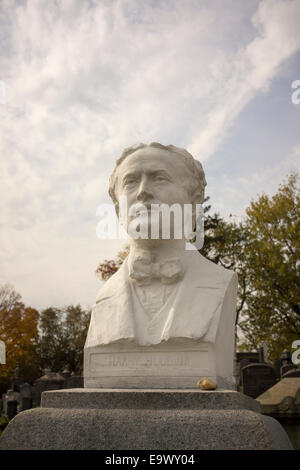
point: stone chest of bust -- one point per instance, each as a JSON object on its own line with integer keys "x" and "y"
{"x": 166, "y": 318}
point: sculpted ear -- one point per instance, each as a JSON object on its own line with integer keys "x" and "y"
{"x": 196, "y": 199}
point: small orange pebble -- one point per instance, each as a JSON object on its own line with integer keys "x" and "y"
{"x": 207, "y": 384}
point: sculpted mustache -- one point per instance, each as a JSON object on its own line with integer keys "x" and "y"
{"x": 140, "y": 207}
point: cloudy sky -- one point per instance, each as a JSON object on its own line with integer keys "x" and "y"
{"x": 84, "y": 79}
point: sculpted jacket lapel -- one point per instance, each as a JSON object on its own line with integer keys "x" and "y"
{"x": 112, "y": 318}
{"x": 198, "y": 301}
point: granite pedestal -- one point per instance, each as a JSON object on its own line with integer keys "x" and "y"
{"x": 113, "y": 419}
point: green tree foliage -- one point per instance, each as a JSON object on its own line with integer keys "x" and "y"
{"x": 224, "y": 243}
{"x": 63, "y": 334}
{"x": 51, "y": 349}
{"x": 271, "y": 256}
{"x": 75, "y": 327}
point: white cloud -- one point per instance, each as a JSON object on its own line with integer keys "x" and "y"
{"x": 252, "y": 70}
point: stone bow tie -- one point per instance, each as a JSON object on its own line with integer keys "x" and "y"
{"x": 143, "y": 271}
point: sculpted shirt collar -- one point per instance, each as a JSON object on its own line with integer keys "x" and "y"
{"x": 142, "y": 270}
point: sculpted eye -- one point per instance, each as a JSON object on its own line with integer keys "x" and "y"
{"x": 161, "y": 178}
{"x": 130, "y": 181}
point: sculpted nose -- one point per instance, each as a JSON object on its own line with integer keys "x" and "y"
{"x": 144, "y": 191}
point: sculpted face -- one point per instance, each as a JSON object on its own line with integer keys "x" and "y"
{"x": 153, "y": 176}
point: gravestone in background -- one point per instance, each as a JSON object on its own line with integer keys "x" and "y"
{"x": 257, "y": 378}
{"x": 277, "y": 366}
{"x": 49, "y": 381}
{"x": 12, "y": 402}
{"x": 287, "y": 364}
{"x": 16, "y": 380}
{"x": 26, "y": 396}
{"x": 73, "y": 381}
{"x": 242, "y": 360}
{"x": 287, "y": 368}
{"x": 292, "y": 373}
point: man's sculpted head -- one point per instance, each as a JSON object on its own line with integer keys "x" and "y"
{"x": 189, "y": 174}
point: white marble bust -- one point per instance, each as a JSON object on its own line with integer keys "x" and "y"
{"x": 164, "y": 297}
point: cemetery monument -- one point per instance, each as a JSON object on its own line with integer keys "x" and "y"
{"x": 161, "y": 324}
{"x": 167, "y": 317}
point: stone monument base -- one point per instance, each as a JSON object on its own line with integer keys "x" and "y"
{"x": 168, "y": 365}
{"x": 118, "y": 419}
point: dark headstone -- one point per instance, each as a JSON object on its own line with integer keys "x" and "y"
{"x": 26, "y": 396}
{"x": 49, "y": 381}
{"x": 287, "y": 368}
{"x": 261, "y": 355}
{"x": 248, "y": 356}
{"x": 12, "y": 409}
{"x": 241, "y": 361}
{"x": 277, "y": 366}
{"x": 16, "y": 381}
{"x": 4, "y": 403}
{"x": 74, "y": 381}
{"x": 292, "y": 373}
{"x": 11, "y": 404}
{"x": 65, "y": 373}
{"x": 286, "y": 361}
{"x": 257, "y": 378}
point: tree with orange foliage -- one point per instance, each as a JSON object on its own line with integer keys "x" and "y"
{"x": 19, "y": 331}
{"x": 109, "y": 267}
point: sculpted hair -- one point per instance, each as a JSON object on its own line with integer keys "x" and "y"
{"x": 196, "y": 188}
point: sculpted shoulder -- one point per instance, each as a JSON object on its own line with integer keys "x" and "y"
{"x": 205, "y": 271}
